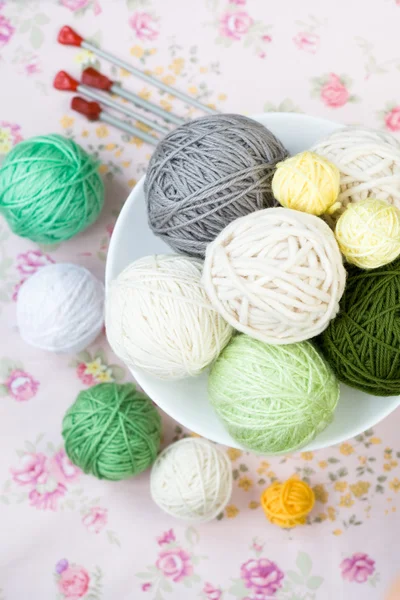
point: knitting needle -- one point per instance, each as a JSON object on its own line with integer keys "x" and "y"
{"x": 95, "y": 79}
{"x": 70, "y": 37}
{"x": 63, "y": 81}
{"x": 93, "y": 111}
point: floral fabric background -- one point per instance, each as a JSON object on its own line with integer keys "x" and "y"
{"x": 68, "y": 536}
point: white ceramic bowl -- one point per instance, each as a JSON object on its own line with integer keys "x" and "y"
{"x": 186, "y": 400}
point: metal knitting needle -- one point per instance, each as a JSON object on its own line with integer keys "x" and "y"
{"x": 101, "y": 82}
{"x": 63, "y": 81}
{"x": 93, "y": 111}
{"x": 69, "y": 37}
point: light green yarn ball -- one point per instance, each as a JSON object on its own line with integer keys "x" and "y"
{"x": 272, "y": 399}
{"x": 112, "y": 431}
{"x": 50, "y": 189}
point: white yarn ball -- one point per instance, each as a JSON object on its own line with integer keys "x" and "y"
{"x": 159, "y": 319}
{"x": 276, "y": 274}
{"x": 61, "y": 308}
{"x": 192, "y": 480}
{"x": 369, "y": 164}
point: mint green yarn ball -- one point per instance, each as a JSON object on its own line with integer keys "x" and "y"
{"x": 50, "y": 189}
{"x": 272, "y": 399}
{"x": 112, "y": 431}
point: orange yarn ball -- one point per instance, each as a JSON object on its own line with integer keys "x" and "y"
{"x": 288, "y": 504}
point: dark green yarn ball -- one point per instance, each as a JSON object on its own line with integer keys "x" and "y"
{"x": 112, "y": 431}
{"x": 362, "y": 344}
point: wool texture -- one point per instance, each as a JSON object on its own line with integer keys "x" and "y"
{"x": 368, "y": 162}
{"x": 50, "y": 189}
{"x": 159, "y": 318}
{"x": 288, "y": 504}
{"x": 362, "y": 344}
{"x": 368, "y": 233}
{"x": 61, "y": 308}
{"x": 192, "y": 480}
{"x": 307, "y": 182}
{"x": 112, "y": 431}
{"x": 272, "y": 399}
{"x": 276, "y": 275}
{"x": 207, "y": 173}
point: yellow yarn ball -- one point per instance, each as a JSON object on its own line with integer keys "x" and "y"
{"x": 307, "y": 182}
{"x": 288, "y": 504}
{"x": 368, "y": 233}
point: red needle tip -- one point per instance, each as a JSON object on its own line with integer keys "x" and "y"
{"x": 63, "y": 81}
{"x": 91, "y": 110}
{"x": 69, "y": 37}
{"x": 95, "y": 79}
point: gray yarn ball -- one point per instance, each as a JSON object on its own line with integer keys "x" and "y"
{"x": 205, "y": 174}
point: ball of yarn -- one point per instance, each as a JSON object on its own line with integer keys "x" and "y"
{"x": 50, "y": 189}
{"x": 307, "y": 182}
{"x": 369, "y": 164}
{"x": 159, "y": 319}
{"x": 192, "y": 480}
{"x": 288, "y": 504}
{"x": 272, "y": 399}
{"x": 276, "y": 275}
{"x": 368, "y": 233}
{"x": 61, "y": 308}
{"x": 362, "y": 344}
{"x": 207, "y": 173}
{"x": 112, "y": 431}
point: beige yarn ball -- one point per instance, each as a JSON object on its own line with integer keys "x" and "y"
{"x": 159, "y": 319}
{"x": 369, "y": 164}
{"x": 276, "y": 274}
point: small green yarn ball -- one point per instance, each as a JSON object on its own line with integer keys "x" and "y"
{"x": 50, "y": 189}
{"x": 272, "y": 399}
{"x": 362, "y": 344}
{"x": 112, "y": 431}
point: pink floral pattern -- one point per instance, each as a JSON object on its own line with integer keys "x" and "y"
{"x": 166, "y": 538}
{"x": 30, "y": 470}
{"x": 307, "y": 41}
{"x": 333, "y": 90}
{"x": 174, "y": 564}
{"x": 21, "y": 385}
{"x": 211, "y": 592}
{"x": 93, "y": 369}
{"x": 261, "y": 576}
{"x": 96, "y": 519}
{"x": 144, "y": 26}
{"x": 6, "y": 31}
{"x": 73, "y": 582}
{"x": 235, "y": 25}
{"x": 10, "y": 134}
{"x": 63, "y": 469}
{"x": 29, "y": 262}
{"x": 392, "y": 119}
{"x": 358, "y": 568}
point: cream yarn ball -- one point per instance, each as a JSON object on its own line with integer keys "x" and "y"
{"x": 368, "y": 233}
{"x": 192, "y": 480}
{"x": 159, "y": 319}
{"x": 61, "y": 308}
{"x": 276, "y": 274}
{"x": 369, "y": 164}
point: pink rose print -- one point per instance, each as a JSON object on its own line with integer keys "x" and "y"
{"x": 63, "y": 469}
{"x": 262, "y": 576}
{"x": 74, "y": 5}
{"x": 239, "y": 2}
{"x": 392, "y": 119}
{"x": 333, "y": 93}
{"x": 46, "y": 495}
{"x": 17, "y": 287}
{"x": 146, "y": 587}
{"x": 6, "y": 31}
{"x": 32, "y": 466}
{"x": 174, "y": 564}
{"x": 166, "y": 538}
{"x": 74, "y": 582}
{"x": 97, "y": 8}
{"x": 211, "y": 592}
{"x": 86, "y": 378}
{"x": 21, "y": 386}
{"x": 96, "y": 519}
{"x": 235, "y": 25}
{"x": 308, "y": 42}
{"x": 144, "y": 26}
{"x": 29, "y": 262}
{"x": 358, "y": 567}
